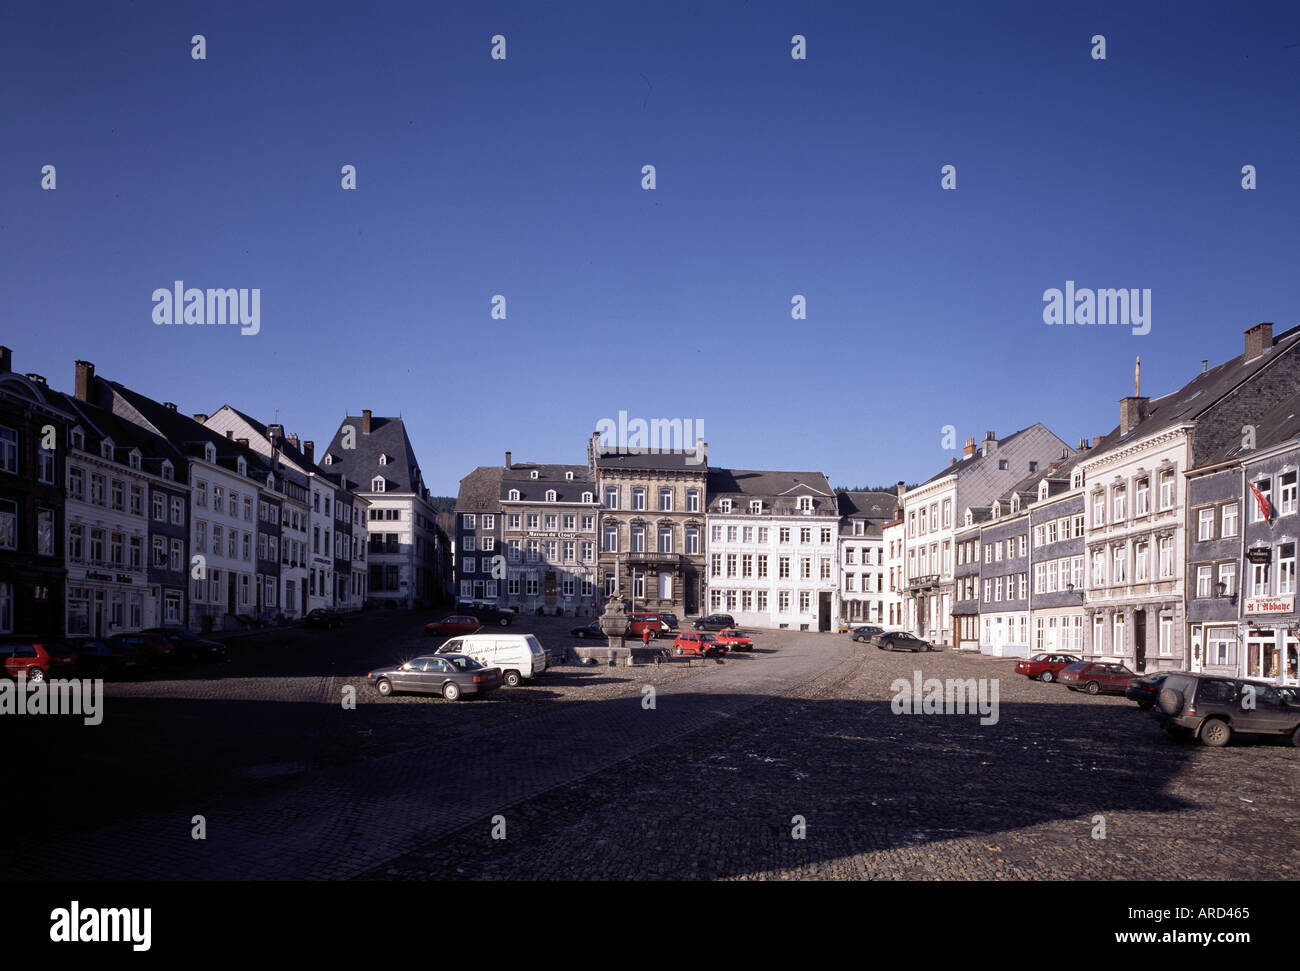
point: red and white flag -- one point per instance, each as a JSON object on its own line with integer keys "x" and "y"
{"x": 1265, "y": 509}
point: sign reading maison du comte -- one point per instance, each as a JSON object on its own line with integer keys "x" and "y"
{"x": 1269, "y": 605}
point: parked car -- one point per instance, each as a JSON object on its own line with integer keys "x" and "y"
{"x": 518, "y": 656}
{"x": 1214, "y": 708}
{"x": 37, "y": 658}
{"x": 100, "y": 656}
{"x": 450, "y": 675}
{"x": 1096, "y": 678}
{"x": 1145, "y": 689}
{"x": 669, "y": 620}
{"x": 1045, "y": 667}
{"x": 715, "y": 622}
{"x": 901, "y": 640}
{"x": 640, "y": 620}
{"x": 590, "y": 630}
{"x": 865, "y": 633}
{"x": 154, "y": 648}
{"x": 487, "y": 613}
{"x": 734, "y": 640}
{"x": 454, "y": 624}
{"x": 697, "y": 644}
{"x": 190, "y": 646}
{"x": 323, "y": 619}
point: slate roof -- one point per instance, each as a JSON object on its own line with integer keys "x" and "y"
{"x": 480, "y": 491}
{"x": 871, "y": 505}
{"x": 1199, "y": 395}
{"x": 519, "y": 476}
{"x": 361, "y": 464}
{"x": 99, "y": 423}
{"x": 654, "y": 461}
{"x": 780, "y": 490}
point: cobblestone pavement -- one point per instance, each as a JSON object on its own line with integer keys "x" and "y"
{"x": 593, "y": 784}
{"x": 906, "y": 796}
{"x": 299, "y": 787}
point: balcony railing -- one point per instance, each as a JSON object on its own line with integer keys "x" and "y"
{"x": 918, "y": 583}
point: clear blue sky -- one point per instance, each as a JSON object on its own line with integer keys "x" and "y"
{"x": 775, "y": 177}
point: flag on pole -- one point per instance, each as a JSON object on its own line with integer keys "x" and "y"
{"x": 1264, "y": 509}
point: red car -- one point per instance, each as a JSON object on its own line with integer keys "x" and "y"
{"x": 455, "y": 624}
{"x": 1095, "y": 677}
{"x": 734, "y": 640}
{"x": 1045, "y": 667}
{"x": 693, "y": 642}
{"x": 36, "y": 660}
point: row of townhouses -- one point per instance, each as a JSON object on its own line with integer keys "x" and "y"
{"x": 1169, "y": 543}
{"x": 119, "y": 513}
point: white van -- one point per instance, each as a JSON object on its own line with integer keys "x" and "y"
{"x": 518, "y": 656}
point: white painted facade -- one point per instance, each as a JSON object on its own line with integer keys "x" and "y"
{"x": 223, "y": 533}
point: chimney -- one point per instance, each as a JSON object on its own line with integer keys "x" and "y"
{"x": 242, "y": 441}
{"x": 1205, "y": 366}
{"x": 507, "y": 460}
{"x": 200, "y": 417}
{"x": 6, "y": 359}
{"x": 35, "y": 378}
{"x": 170, "y": 405}
{"x": 292, "y": 439}
{"x": 1132, "y": 410}
{"x": 1258, "y": 339}
{"x": 230, "y": 434}
{"x": 969, "y": 449}
{"x": 365, "y": 422}
{"x": 902, "y": 488}
{"x": 273, "y": 434}
{"x": 307, "y": 449}
{"x": 1083, "y": 445}
{"x": 85, "y": 375}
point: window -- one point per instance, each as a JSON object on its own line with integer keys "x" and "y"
{"x": 1287, "y": 494}
{"x": 1141, "y": 497}
{"x": 1118, "y": 503}
{"x": 693, "y": 542}
{"x": 611, "y": 497}
{"x": 1166, "y": 642}
{"x": 97, "y": 488}
{"x": 611, "y": 539}
{"x": 1140, "y": 557}
{"x": 1205, "y": 524}
{"x": 1166, "y": 558}
{"x": 550, "y": 495}
{"x": 692, "y": 500}
{"x": 1099, "y": 509}
{"x": 1204, "y": 579}
{"x": 665, "y": 539}
{"x": 638, "y": 498}
{"x": 783, "y": 567}
{"x": 1229, "y": 521}
{"x": 1119, "y": 645}
{"x": 1228, "y": 577}
{"x": 666, "y": 500}
{"x": 1286, "y": 569}
{"x": 8, "y": 525}
{"x": 8, "y": 450}
{"x": 1167, "y": 489}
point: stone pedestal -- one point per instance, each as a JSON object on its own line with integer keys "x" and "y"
{"x": 614, "y": 623}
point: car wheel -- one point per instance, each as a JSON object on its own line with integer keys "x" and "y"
{"x": 1295, "y": 737}
{"x": 1216, "y": 733}
{"x": 451, "y": 691}
{"x": 35, "y": 675}
{"x": 512, "y": 679}
{"x": 384, "y": 687}
{"x": 1093, "y": 688}
{"x": 580, "y": 635}
{"x": 1047, "y": 677}
{"x": 505, "y": 621}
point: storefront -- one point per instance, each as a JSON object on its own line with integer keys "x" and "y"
{"x": 1271, "y": 642}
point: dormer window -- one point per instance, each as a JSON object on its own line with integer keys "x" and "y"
{"x": 756, "y": 507}
{"x": 724, "y": 505}
{"x": 134, "y": 459}
{"x": 377, "y": 484}
{"x": 168, "y": 471}
{"x": 805, "y": 503}
{"x": 1076, "y": 481}
{"x": 532, "y": 474}
{"x": 568, "y": 476}
{"x": 383, "y": 459}
{"x": 106, "y": 449}
{"x": 329, "y": 459}
{"x": 514, "y": 495}
{"x": 1015, "y": 503}
{"x": 969, "y": 518}
{"x": 588, "y": 497}
{"x": 242, "y": 466}
{"x": 550, "y": 495}
{"x": 210, "y": 452}
{"x": 1042, "y": 490}
{"x": 270, "y": 482}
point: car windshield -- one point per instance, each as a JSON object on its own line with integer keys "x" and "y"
{"x": 1039, "y": 657}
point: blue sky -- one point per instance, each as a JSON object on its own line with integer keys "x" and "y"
{"x": 775, "y": 177}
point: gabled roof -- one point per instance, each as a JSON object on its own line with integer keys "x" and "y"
{"x": 867, "y": 505}
{"x": 780, "y": 491}
{"x": 100, "y": 424}
{"x": 387, "y": 437}
{"x": 1199, "y": 396}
